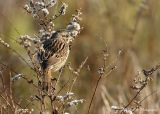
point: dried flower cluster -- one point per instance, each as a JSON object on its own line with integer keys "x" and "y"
{"x": 4, "y": 43}
{"x": 35, "y": 44}
{"x": 68, "y": 101}
{"x": 139, "y": 83}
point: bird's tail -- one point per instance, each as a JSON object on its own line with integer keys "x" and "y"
{"x": 47, "y": 80}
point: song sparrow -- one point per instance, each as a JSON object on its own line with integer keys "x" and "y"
{"x": 56, "y": 49}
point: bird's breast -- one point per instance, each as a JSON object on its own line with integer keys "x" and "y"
{"x": 58, "y": 60}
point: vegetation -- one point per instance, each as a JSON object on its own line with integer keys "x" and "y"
{"x": 113, "y": 66}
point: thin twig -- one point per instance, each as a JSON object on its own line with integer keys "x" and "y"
{"x": 7, "y": 102}
{"x": 94, "y": 94}
{"x": 78, "y": 72}
{"x": 19, "y": 55}
{"x": 60, "y": 73}
{"x": 153, "y": 92}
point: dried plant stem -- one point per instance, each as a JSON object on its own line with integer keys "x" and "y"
{"x": 10, "y": 23}
{"x": 65, "y": 85}
{"x": 13, "y": 50}
{"x": 147, "y": 74}
{"x": 103, "y": 72}
{"x": 90, "y": 104}
{"x": 137, "y": 94}
{"x": 77, "y": 72}
{"x": 60, "y": 73}
{"x": 8, "y": 98}
{"x": 2, "y": 80}
{"x": 7, "y": 102}
{"x": 145, "y": 99}
{"x": 137, "y": 20}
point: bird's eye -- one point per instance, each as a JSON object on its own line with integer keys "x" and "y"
{"x": 57, "y": 56}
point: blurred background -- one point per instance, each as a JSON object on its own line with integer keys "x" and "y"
{"x": 129, "y": 25}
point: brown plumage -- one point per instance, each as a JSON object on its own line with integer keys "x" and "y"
{"x": 55, "y": 53}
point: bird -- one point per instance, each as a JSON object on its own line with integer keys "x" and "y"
{"x": 55, "y": 52}
{"x": 55, "y": 49}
